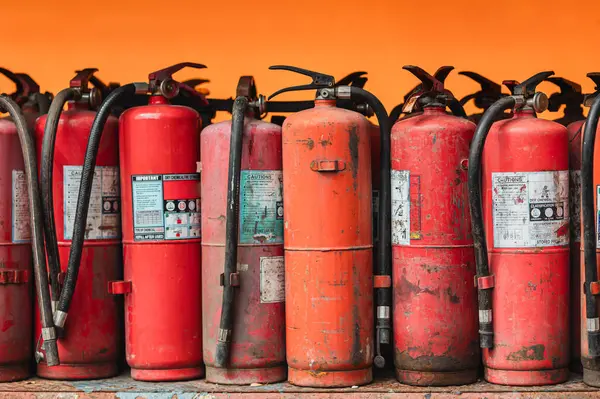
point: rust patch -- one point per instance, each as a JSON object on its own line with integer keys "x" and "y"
{"x": 453, "y": 297}
{"x": 357, "y": 352}
{"x": 533, "y": 352}
{"x": 353, "y": 146}
{"x": 405, "y": 361}
{"x": 431, "y": 268}
{"x": 407, "y": 289}
{"x": 309, "y": 143}
{"x": 325, "y": 142}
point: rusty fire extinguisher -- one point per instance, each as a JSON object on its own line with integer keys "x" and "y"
{"x": 523, "y": 291}
{"x": 158, "y": 150}
{"x": 21, "y": 242}
{"x": 435, "y": 303}
{"x": 328, "y": 238}
{"x": 88, "y": 341}
{"x": 490, "y": 93}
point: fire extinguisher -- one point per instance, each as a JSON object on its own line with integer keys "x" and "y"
{"x": 328, "y": 238}
{"x": 88, "y": 341}
{"x": 570, "y": 95}
{"x": 435, "y": 304}
{"x": 27, "y": 95}
{"x": 523, "y": 268}
{"x": 158, "y": 150}
{"x": 22, "y": 241}
{"x": 490, "y": 93}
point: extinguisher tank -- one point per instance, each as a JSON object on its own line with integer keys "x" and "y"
{"x": 88, "y": 346}
{"x": 435, "y": 303}
{"x": 257, "y": 347}
{"x": 159, "y": 146}
{"x": 526, "y": 213}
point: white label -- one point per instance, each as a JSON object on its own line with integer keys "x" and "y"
{"x": 104, "y": 212}
{"x": 400, "y": 207}
{"x": 21, "y": 222}
{"x": 530, "y": 209}
{"x": 272, "y": 279}
{"x": 575, "y": 203}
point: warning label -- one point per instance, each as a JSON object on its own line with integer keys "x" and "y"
{"x": 21, "y": 222}
{"x": 157, "y": 218}
{"x": 575, "y": 197}
{"x": 272, "y": 279}
{"x": 261, "y": 207}
{"x": 530, "y": 209}
{"x": 400, "y": 207}
{"x": 104, "y": 213}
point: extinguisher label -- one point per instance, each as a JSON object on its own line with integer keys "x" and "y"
{"x": 261, "y": 207}
{"x": 575, "y": 202}
{"x": 272, "y": 279}
{"x": 530, "y": 209}
{"x": 21, "y": 223}
{"x": 156, "y": 218}
{"x": 400, "y": 207}
{"x": 104, "y": 212}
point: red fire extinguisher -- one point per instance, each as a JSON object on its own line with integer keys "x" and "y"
{"x": 523, "y": 282}
{"x": 435, "y": 303}
{"x": 89, "y": 339}
{"x": 571, "y": 97}
{"x": 158, "y": 148}
{"x": 490, "y": 93}
{"x": 21, "y": 241}
{"x": 328, "y": 238}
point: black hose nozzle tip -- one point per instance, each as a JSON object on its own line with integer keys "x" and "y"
{"x": 594, "y": 344}
{"x": 486, "y": 340}
{"x": 51, "y": 349}
{"x": 379, "y": 361}
{"x": 221, "y": 355}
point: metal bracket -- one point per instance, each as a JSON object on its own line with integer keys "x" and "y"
{"x": 485, "y": 282}
{"x": 327, "y": 165}
{"x": 234, "y": 280}
{"x": 382, "y": 281}
{"x": 119, "y": 287}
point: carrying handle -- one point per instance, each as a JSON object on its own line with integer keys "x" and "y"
{"x": 319, "y": 80}
{"x": 490, "y": 91}
{"x": 30, "y": 86}
{"x": 355, "y": 79}
{"x": 527, "y": 89}
{"x": 589, "y": 98}
{"x": 161, "y": 82}
{"x": 15, "y": 79}
{"x": 569, "y": 95}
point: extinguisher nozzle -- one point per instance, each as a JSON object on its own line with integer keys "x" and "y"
{"x": 594, "y": 344}
{"x": 51, "y": 350}
{"x": 221, "y": 354}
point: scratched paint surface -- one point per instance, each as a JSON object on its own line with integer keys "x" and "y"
{"x": 328, "y": 246}
{"x": 435, "y": 303}
{"x": 531, "y": 293}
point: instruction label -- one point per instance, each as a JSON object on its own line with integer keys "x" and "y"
{"x": 272, "y": 279}
{"x": 261, "y": 206}
{"x": 375, "y": 207}
{"x": 104, "y": 212}
{"x": 530, "y": 209}
{"x": 21, "y": 222}
{"x": 400, "y": 207}
{"x": 575, "y": 203}
{"x": 158, "y": 218}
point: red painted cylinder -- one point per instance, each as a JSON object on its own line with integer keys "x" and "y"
{"x": 258, "y": 343}
{"x": 16, "y": 273}
{"x": 159, "y": 147}
{"x": 575, "y": 131}
{"x": 89, "y": 348}
{"x": 435, "y": 302}
{"x": 328, "y": 247}
{"x": 525, "y": 179}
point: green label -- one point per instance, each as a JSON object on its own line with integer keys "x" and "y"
{"x": 261, "y": 207}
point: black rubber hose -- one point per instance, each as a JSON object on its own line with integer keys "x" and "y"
{"x": 36, "y": 220}
{"x": 589, "y": 226}
{"x": 396, "y": 112}
{"x": 384, "y": 249}
{"x": 456, "y": 108}
{"x": 83, "y": 200}
{"x": 231, "y": 231}
{"x": 46, "y": 173}
{"x": 484, "y": 296}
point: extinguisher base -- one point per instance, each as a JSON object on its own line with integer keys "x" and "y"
{"x": 75, "y": 372}
{"x": 591, "y": 377}
{"x": 436, "y": 378}
{"x": 14, "y": 372}
{"x": 231, "y": 376}
{"x": 329, "y": 379}
{"x": 526, "y": 377}
{"x": 164, "y": 375}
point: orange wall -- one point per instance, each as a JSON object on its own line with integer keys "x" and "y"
{"x": 126, "y": 39}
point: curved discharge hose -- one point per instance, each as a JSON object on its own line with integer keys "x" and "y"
{"x": 589, "y": 227}
{"x": 46, "y": 173}
{"x": 384, "y": 297}
{"x": 484, "y": 295}
{"x": 35, "y": 206}
{"x": 83, "y": 200}
{"x": 231, "y": 231}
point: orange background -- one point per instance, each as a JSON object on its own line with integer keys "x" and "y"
{"x": 126, "y": 39}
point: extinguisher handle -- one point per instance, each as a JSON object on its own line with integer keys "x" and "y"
{"x": 595, "y": 76}
{"x": 430, "y": 83}
{"x": 30, "y": 86}
{"x": 528, "y": 87}
{"x": 195, "y": 82}
{"x": 168, "y": 72}
{"x": 15, "y": 79}
{"x": 319, "y": 80}
{"x": 510, "y": 85}
{"x": 570, "y": 94}
{"x": 82, "y": 79}
{"x": 490, "y": 91}
{"x": 486, "y": 84}
{"x": 356, "y": 79}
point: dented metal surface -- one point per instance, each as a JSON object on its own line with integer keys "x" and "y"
{"x": 328, "y": 247}
{"x": 435, "y": 303}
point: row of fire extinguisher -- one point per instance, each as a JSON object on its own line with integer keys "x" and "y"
{"x": 260, "y": 252}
